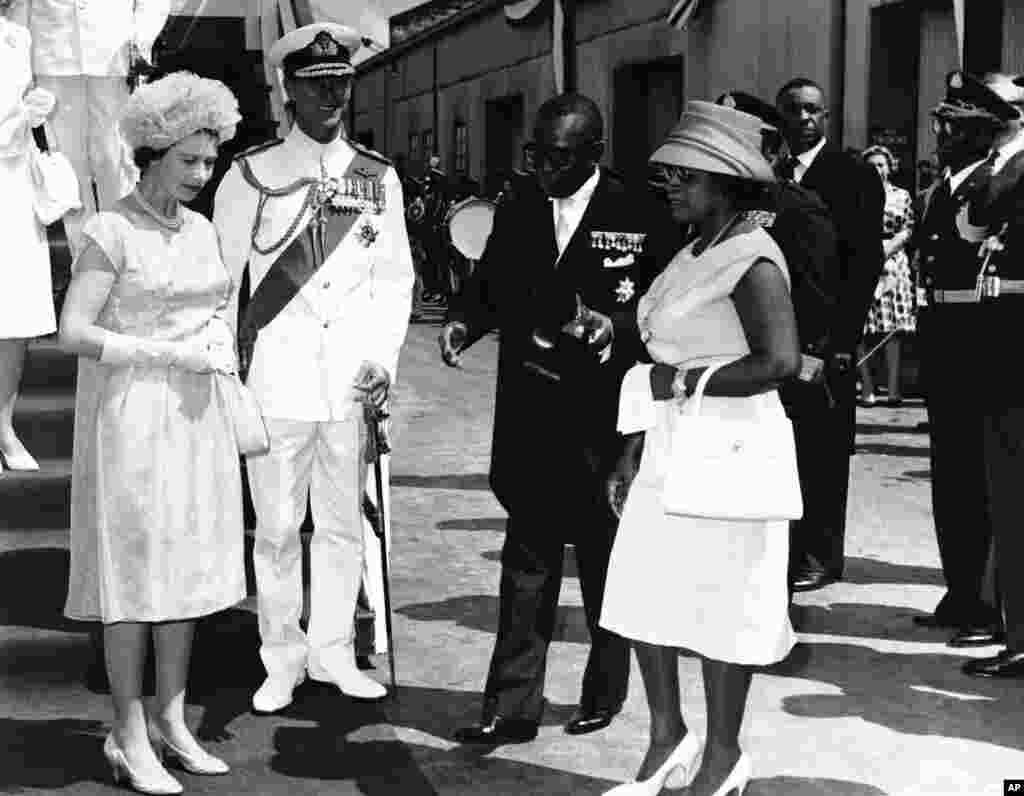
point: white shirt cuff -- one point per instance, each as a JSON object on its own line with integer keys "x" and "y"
{"x": 637, "y": 409}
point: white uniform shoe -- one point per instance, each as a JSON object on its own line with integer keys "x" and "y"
{"x": 346, "y": 676}
{"x": 275, "y": 694}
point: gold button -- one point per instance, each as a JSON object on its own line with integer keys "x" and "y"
{"x": 935, "y": 236}
{"x": 327, "y": 285}
{"x": 930, "y": 258}
{"x": 326, "y": 324}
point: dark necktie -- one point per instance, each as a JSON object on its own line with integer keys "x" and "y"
{"x": 786, "y": 169}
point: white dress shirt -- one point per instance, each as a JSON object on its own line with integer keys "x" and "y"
{"x": 354, "y": 309}
{"x": 571, "y": 209}
{"x": 92, "y": 37}
{"x": 805, "y": 159}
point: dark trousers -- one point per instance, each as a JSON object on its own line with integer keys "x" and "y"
{"x": 960, "y": 506}
{"x": 1004, "y": 468}
{"x": 824, "y": 440}
{"x": 531, "y": 577}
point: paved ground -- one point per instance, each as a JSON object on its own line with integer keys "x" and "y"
{"x": 867, "y": 704}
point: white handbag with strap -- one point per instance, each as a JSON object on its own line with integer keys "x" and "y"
{"x": 55, "y": 183}
{"x": 727, "y": 468}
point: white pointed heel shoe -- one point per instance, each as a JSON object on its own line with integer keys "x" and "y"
{"x": 739, "y": 777}
{"x": 200, "y": 762}
{"x": 19, "y": 461}
{"x": 157, "y": 782}
{"x": 679, "y": 766}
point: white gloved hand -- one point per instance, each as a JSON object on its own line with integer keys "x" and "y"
{"x": 38, "y": 104}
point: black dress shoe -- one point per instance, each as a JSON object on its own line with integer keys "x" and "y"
{"x": 498, "y": 731}
{"x": 590, "y": 720}
{"x": 982, "y": 636}
{"x": 811, "y": 579}
{"x": 1006, "y": 664}
{"x": 935, "y": 620}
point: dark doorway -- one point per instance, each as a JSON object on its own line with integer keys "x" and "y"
{"x": 505, "y": 134}
{"x": 892, "y": 98}
{"x": 648, "y": 99}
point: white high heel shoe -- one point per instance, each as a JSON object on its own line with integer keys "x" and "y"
{"x": 738, "y": 778}
{"x": 157, "y": 782}
{"x": 197, "y": 763}
{"x": 679, "y": 765}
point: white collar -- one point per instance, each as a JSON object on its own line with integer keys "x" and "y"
{"x": 1009, "y": 149}
{"x": 807, "y": 158}
{"x": 312, "y": 150}
{"x": 584, "y": 192}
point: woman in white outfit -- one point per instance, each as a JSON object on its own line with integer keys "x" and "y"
{"x": 156, "y": 502}
{"x": 715, "y": 587}
{"x": 26, "y": 300}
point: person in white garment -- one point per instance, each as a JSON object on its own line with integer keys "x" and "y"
{"x": 82, "y": 52}
{"x": 312, "y": 228}
{"x": 26, "y": 301}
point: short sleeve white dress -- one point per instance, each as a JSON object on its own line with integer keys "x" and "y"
{"x": 26, "y": 296}
{"x": 715, "y": 587}
{"x": 156, "y": 495}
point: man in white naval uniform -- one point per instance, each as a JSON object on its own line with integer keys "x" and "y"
{"x": 320, "y": 223}
{"x": 82, "y": 52}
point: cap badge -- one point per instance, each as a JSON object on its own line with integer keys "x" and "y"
{"x": 729, "y": 101}
{"x": 956, "y": 80}
{"x": 324, "y": 45}
{"x": 625, "y": 291}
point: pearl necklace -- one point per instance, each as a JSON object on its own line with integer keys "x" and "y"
{"x": 174, "y": 223}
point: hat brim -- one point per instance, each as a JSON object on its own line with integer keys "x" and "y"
{"x": 690, "y": 157}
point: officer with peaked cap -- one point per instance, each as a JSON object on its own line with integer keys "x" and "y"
{"x": 1000, "y": 286}
{"x": 949, "y": 235}
{"x": 312, "y": 228}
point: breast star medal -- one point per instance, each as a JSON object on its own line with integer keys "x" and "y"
{"x": 368, "y": 234}
{"x": 625, "y": 291}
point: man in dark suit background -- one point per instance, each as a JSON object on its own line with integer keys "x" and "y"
{"x": 823, "y": 419}
{"x": 583, "y": 250}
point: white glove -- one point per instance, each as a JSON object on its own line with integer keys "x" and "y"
{"x": 196, "y": 355}
{"x": 38, "y": 104}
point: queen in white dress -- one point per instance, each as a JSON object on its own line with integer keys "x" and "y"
{"x": 156, "y": 502}
{"x": 26, "y": 300}
{"x": 714, "y": 587}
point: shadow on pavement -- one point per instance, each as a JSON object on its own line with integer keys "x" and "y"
{"x": 35, "y": 501}
{"x": 469, "y": 481}
{"x": 886, "y": 449}
{"x": 860, "y": 620}
{"x": 910, "y": 476}
{"x": 920, "y": 694}
{"x": 799, "y": 786}
{"x": 497, "y": 524}
{"x": 872, "y": 570}
{"x": 569, "y": 567}
{"x": 480, "y": 612}
{"x": 41, "y": 572}
{"x": 46, "y": 755}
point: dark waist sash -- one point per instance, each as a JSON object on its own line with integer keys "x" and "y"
{"x": 321, "y": 230}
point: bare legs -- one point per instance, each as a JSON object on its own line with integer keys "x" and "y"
{"x": 725, "y": 692}
{"x": 126, "y": 645}
{"x": 12, "y": 362}
{"x": 892, "y": 350}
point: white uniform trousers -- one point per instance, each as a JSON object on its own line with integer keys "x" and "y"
{"x": 84, "y": 127}
{"x": 325, "y": 461}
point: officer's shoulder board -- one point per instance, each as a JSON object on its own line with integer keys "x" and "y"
{"x": 256, "y": 150}
{"x": 372, "y": 154}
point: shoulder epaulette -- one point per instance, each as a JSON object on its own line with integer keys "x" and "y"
{"x": 370, "y": 153}
{"x": 255, "y": 150}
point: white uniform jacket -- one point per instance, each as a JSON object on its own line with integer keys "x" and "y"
{"x": 92, "y": 37}
{"x": 354, "y": 309}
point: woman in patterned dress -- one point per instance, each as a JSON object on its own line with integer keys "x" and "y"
{"x": 156, "y": 502}
{"x": 894, "y": 307}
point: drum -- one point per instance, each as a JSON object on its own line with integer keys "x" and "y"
{"x": 469, "y": 225}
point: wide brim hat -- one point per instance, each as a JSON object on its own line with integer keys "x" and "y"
{"x": 968, "y": 98}
{"x": 717, "y": 139}
{"x": 324, "y": 49}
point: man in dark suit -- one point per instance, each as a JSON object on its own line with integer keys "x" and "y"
{"x": 577, "y": 255}
{"x": 823, "y": 417}
{"x": 948, "y": 245}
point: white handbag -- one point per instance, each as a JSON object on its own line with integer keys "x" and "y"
{"x": 731, "y": 468}
{"x": 56, "y": 185}
{"x": 245, "y": 413}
